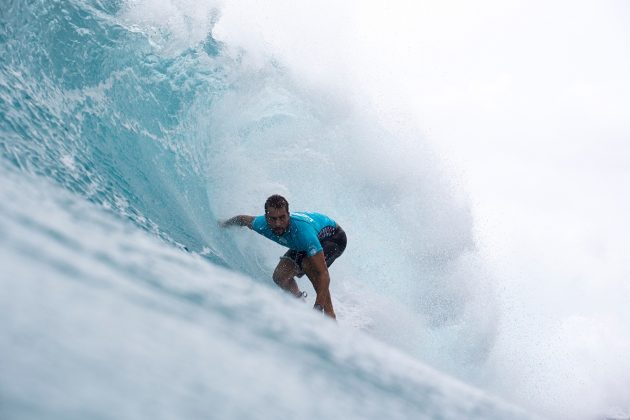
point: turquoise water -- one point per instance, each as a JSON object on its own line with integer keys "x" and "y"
{"x": 174, "y": 132}
{"x": 89, "y": 105}
{"x": 124, "y": 138}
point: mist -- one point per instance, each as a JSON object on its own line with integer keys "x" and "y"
{"x": 527, "y": 105}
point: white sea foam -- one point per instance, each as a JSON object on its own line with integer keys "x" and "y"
{"x": 505, "y": 269}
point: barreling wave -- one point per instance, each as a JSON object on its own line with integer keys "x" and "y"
{"x": 154, "y": 119}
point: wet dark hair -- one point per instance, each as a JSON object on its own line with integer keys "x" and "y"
{"x": 277, "y": 202}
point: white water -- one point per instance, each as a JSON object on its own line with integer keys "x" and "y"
{"x": 117, "y": 324}
{"x": 506, "y": 270}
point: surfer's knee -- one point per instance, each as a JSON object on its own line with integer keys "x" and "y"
{"x": 281, "y": 276}
{"x": 277, "y": 278}
{"x": 284, "y": 272}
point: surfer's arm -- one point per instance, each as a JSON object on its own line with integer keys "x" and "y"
{"x": 317, "y": 272}
{"x": 240, "y": 220}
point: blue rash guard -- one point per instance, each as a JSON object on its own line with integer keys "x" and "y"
{"x": 304, "y": 233}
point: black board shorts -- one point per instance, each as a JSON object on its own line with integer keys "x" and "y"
{"x": 333, "y": 246}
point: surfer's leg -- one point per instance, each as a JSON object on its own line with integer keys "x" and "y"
{"x": 284, "y": 275}
{"x": 314, "y": 275}
{"x": 334, "y": 246}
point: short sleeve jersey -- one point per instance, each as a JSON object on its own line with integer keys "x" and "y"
{"x": 304, "y": 232}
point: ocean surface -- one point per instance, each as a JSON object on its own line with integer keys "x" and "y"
{"x": 125, "y": 136}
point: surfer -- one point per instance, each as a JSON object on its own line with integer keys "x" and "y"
{"x": 314, "y": 241}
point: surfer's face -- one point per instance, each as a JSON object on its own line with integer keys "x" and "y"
{"x": 277, "y": 219}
